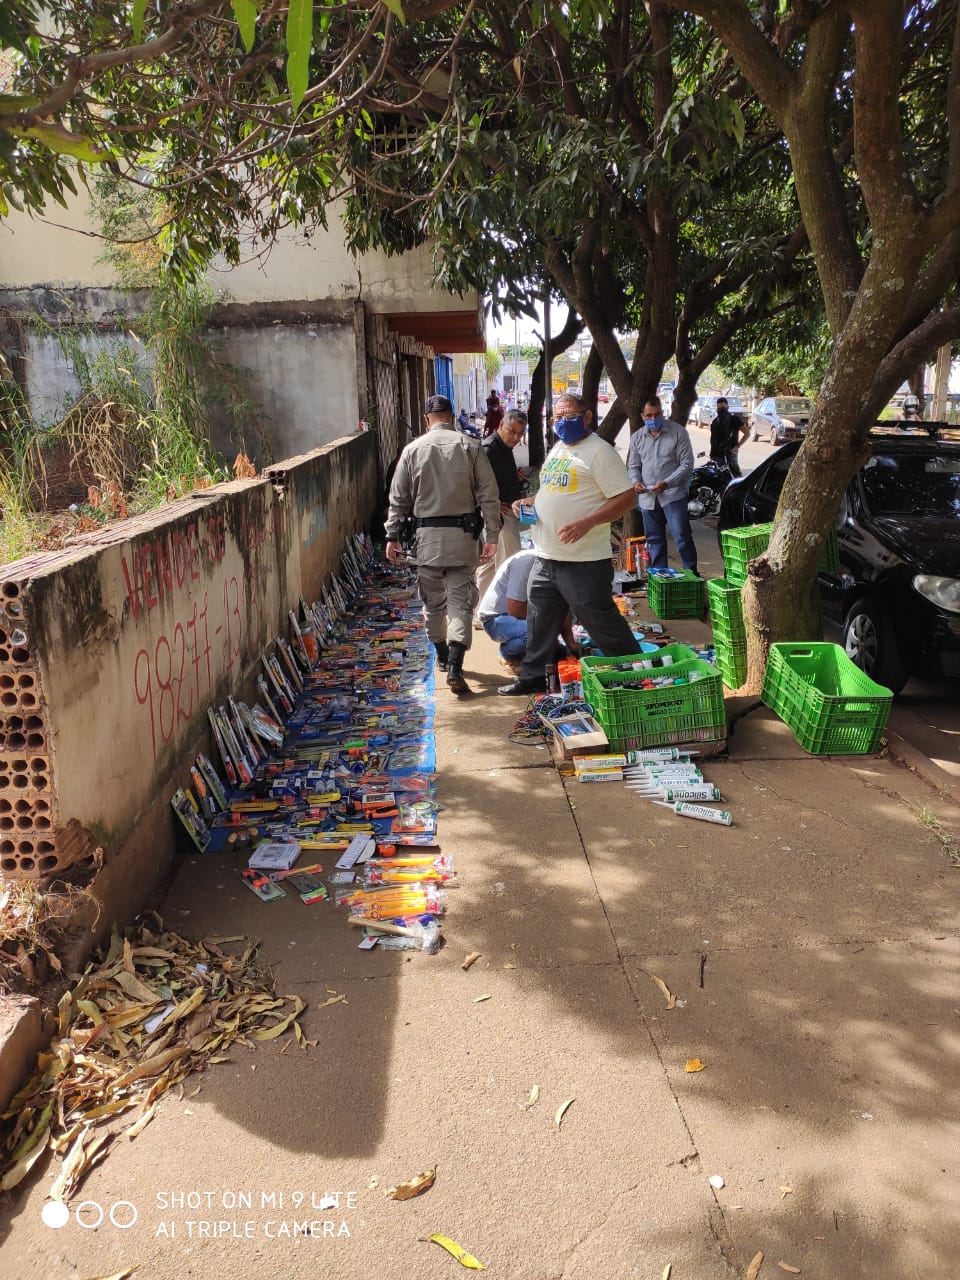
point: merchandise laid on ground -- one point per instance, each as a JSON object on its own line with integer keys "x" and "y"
{"x": 330, "y": 789}
{"x": 646, "y": 718}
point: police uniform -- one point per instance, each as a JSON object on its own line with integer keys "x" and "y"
{"x": 442, "y": 477}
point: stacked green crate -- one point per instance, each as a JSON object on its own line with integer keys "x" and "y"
{"x": 740, "y": 546}
{"x": 729, "y": 632}
{"x": 677, "y": 593}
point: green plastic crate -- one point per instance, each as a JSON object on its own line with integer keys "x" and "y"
{"x": 729, "y": 632}
{"x": 675, "y": 597}
{"x": 633, "y": 717}
{"x": 740, "y": 546}
{"x": 828, "y": 702}
{"x": 731, "y": 663}
{"x": 726, "y": 609}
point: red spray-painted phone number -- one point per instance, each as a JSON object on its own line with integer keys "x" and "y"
{"x": 158, "y": 679}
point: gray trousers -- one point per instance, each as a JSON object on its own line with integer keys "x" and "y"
{"x": 508, "y": 544}
{"x": 449, "y": 598}
{"x": 586, "y": 589}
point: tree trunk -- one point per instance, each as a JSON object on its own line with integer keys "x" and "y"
{"x": 572, "y": 328}
{"x": 780, "y": 602}
{"x": 535, "y": 447}
{"x": 592, "y": 373}
{"x": 684, "y": 398}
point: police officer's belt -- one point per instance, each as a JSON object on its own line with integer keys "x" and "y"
{"x": 467, "y": 522}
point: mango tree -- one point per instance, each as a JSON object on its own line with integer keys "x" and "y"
{"x": 867, "y": 94}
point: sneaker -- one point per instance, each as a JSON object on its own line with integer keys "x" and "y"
{"x": 513, "y": 665}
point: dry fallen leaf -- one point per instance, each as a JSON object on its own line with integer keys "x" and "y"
{"x": 534, "y": 1097}
{"x": 456, "y": 1251}
{"x": 407, "y": 1190}
{"x": 754, "y": 1268}
{"x": 670, "y": 998}
{"x": 561, "y": 1110}
{"x": 785, "y": 1266}
{"x": 693, "y": 1064}
{"x": 472, "y": 958}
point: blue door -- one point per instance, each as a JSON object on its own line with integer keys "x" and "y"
{"x": 443, "y": 374}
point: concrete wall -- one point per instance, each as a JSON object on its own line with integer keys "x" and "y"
{"x": 112, "y": 651}
{"x": 33, "y": 251}
{"x": 304, "y": 377}
{"x": 298, "y": 266}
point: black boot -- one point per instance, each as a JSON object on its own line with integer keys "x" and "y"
{"x": 443, "y": 654}
{"x": 455, "y": 680}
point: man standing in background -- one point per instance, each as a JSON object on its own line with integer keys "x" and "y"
{"x": 443, "y": 480}
{"x": 499, "y": 450}
{"x": 727, "y": 433}
{"x": 660, "y": 460}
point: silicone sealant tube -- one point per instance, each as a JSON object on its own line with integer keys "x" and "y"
{"x": 707, "y": 791}
{"x": 643, "y": 779}
{"x": 656, "y": 755}
{"x": 701, "y": 811}
{"x": 685, "y": 771}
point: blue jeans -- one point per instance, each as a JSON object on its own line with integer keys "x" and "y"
{"x": 509, "y": 632}
{"x": 655, "y": 524}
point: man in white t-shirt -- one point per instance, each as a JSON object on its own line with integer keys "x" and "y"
{"x": 584, "y": 484}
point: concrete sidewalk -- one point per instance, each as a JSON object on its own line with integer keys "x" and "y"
{"x": 823, "y": 924}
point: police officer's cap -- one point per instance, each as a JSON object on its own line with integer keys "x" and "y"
{"x": 438, "y": 404}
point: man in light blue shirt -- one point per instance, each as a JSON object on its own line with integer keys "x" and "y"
{"x": 660, "y": 462}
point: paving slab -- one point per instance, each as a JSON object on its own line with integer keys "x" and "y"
{"x": 819, "y": 852}
{"x": 830, "y": 1072}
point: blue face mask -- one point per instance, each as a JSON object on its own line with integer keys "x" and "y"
{"x": 654, "y": 424}
{"x": 570, "y": 430}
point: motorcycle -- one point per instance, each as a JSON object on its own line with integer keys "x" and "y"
{"x": 707, "y": 485}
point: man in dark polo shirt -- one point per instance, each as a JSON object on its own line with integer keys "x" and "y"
{"x": 499, "y": 449}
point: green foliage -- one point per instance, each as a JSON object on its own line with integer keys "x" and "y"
{"x": 492, "y": 363}
{"x": 137, "y": 431}
{"x": 299, "y": 33}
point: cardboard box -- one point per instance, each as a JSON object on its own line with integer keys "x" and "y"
{"x": 575, "y": 733}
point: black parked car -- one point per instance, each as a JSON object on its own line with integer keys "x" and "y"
{"x": 897, "y": 593}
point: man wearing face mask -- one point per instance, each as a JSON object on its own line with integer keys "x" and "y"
{"x": 660, "y": 461}
{"x": 583, "y": 486}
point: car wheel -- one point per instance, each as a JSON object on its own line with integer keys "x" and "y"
{"x": 870, "y": 642}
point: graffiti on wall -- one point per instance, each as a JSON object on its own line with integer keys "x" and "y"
{"x": 177, "y": 673}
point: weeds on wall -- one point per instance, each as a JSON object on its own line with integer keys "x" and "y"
{"x": 136, "y": 435}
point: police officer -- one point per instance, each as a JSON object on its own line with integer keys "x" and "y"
{"x": 443, "y": 480}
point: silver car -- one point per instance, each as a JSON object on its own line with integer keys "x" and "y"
{"x": 705, "y": 409}
{"x": 780, "y": 418}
